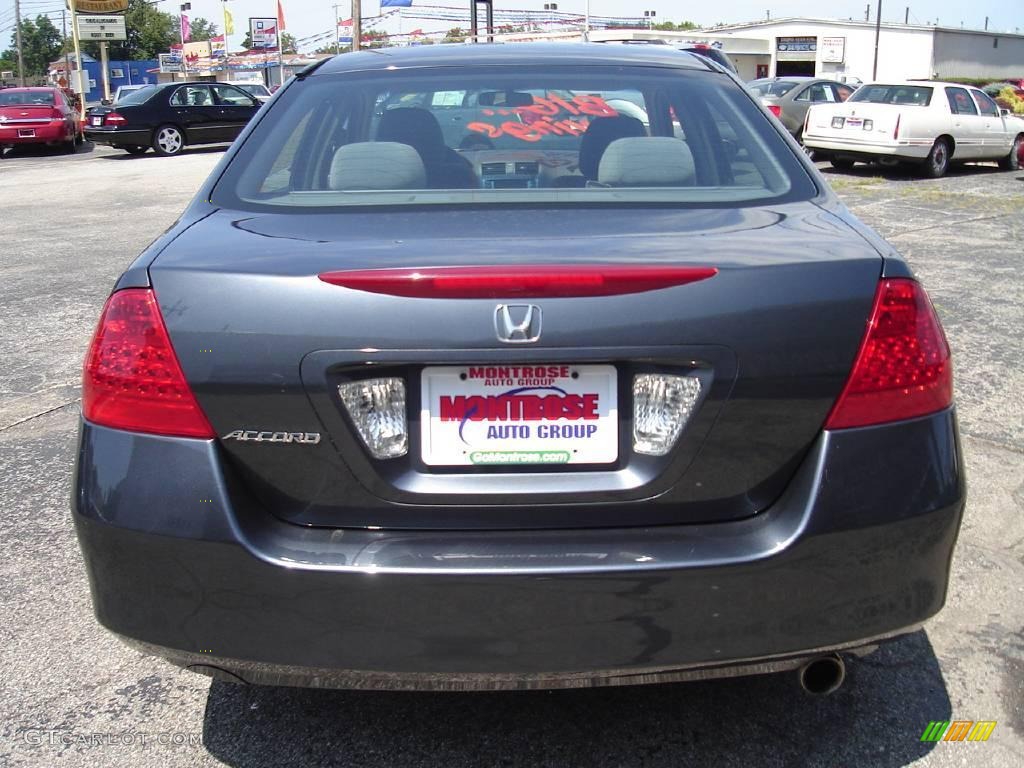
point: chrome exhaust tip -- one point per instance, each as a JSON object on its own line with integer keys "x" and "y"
{"x": 823, "y": 675}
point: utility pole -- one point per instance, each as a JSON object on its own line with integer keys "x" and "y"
{"x": 357, "y": 25}
{"x": 878, "y": 34}
{"x": 17, "y": 35}
{"x": 906, "y": 16}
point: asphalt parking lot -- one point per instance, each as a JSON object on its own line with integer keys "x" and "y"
{"x": 72, "y": 695}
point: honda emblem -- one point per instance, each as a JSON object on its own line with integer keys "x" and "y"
{"x": 517, "y": 323}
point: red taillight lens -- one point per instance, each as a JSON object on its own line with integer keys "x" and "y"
{"x": 896, "y": 130}
{"x": 525, "y": 280}
{"x": 132, "y": 379}
{"x": 903, "y": 368}
{"x": 113, "y": 118}
{"x": 775, "y": 109}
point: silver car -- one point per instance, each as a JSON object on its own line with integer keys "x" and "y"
{"x": 789, "y": 98}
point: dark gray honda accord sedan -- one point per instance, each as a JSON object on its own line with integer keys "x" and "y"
{"x": 516, "y": 366}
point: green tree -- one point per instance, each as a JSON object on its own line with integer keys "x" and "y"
{"x": 671, "y": 26}
{"x": 455, "y": 35}
{"x": 41, "y": 43}
{"x": 202, "y": 30}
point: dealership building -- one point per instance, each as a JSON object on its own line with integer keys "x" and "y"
{"x": 828, "y": 48}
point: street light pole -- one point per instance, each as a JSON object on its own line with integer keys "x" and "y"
{"x": 878, "y": 34}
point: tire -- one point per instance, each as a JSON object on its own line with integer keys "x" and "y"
{"x": 1012, "y": 161}
{"x": 136, "y": 149}
{"x": 168, "y": 140}
{"x": 70, "y": 146}
{"x": 841, "y": 163}
{"x": 937, "y": 162}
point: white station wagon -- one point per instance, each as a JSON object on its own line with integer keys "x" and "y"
{"x": 928, "y": 123}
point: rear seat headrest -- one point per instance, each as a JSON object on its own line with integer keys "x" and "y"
{"x": 377, "y": 165}
{"x": 651, "y": 161}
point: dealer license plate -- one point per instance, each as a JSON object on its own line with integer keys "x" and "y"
{"x": 505, "y": 415}
{"x": 854, "y": 122}
{"x": 97, "y": 121}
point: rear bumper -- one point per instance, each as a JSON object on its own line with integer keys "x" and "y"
{"x": 44, "y": 133}
{"x": 865, "y": 151}
{"x": 857, "y": 548}
{"x": 118, "y": 138}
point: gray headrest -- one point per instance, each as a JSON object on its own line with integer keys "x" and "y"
{"x": 377, "y": 165}
{"x": 650, "y": 161}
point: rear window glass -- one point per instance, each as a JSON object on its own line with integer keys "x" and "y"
{"x": 904, "y": 95}
{"x": 553, "y": 136}
{"x": 23, "y": 98}
{"x": 138, "y": 96}
{"x": 772, "y": 87}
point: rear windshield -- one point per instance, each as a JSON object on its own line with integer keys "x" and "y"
{"x": 23, "y": 98}
{"x": 904, "y": 95}
{"x": 772, "y": 87}
{"x": 496, "y": 135}
{"x": 138, "y": 96}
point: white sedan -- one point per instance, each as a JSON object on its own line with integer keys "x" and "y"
{"x": 929, "y": 123}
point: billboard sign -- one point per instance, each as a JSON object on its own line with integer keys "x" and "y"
{"x": 833, "y": 50}
{"x": 263, "y": 33}
{"x": 796, "y": 48}
{"x": 101, "y": 28}
{"x": 99, "y": 6}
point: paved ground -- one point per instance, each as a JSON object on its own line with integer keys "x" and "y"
{"x": 68, "y": 225}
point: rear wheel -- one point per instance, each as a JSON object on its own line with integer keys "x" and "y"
{"x": 168, "y": 140}
{"x": 841, "y": 163}
{"x": 937, "y": 163}
{"x": 1012, "y": 161}
{"x": 70, "y": 145}
{"x": 136, "y": 149}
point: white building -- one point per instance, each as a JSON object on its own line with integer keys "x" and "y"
{"x": 826, "y": 48}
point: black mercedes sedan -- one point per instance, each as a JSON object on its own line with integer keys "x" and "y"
{"x": 509, "y": 366}
{"x": 171, "y": 116}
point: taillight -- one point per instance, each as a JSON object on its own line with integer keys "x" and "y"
{"x": 524, "y": 280}
{"x": 807, "y": 120}
{"x": 56, "y": 114}
{"x": 903, "y": 369}
{"x": 775, "y": 109}
{"x": 132, "y": 379}
{"x": 113, "y": 118}
{"x": 896, "y": 130}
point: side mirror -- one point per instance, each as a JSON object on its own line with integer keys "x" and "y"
{"x": 106, "y": 102}
{"x": 1004, "y": 112}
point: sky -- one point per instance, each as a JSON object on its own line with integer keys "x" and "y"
{"x": 309, "y": 17}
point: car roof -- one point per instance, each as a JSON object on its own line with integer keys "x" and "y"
{"x": 512, "y": 55}
{"x": 924, "y": 83}
{"x": 23, "y": 89}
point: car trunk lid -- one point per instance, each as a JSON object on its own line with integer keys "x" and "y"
{"x": 266, "y": 345}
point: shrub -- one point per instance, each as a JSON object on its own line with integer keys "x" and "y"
{"x": 1008, "y": 99}
{"x": 993, "y": 89}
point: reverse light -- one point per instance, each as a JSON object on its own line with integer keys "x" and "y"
{"x": 662, "y": 405}
{"x": 518, "y": 281}
{"x": 775, "y": 109}
{"x": 838, "y": 122}
{"x": 377, "y": 408}
{"x": 903, "y": 369}
{"x": 132, "y": 379}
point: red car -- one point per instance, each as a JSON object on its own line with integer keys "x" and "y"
{"x": 38, "y": 116}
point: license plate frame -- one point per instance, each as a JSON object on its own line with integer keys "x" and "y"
{"x": 26, "y": 133}
{"x": 515, "y": 424}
